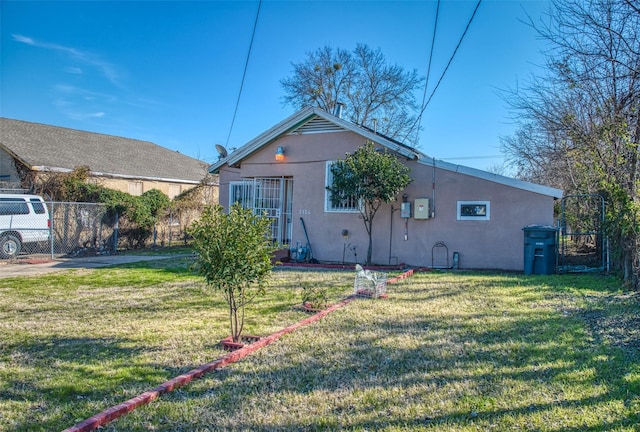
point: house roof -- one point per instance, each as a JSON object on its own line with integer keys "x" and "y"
{"x": 496, "y": 178}
{"x": 316, "y": 120}
{"x": 311, "y": 120}
{"x": 43, "y": 147}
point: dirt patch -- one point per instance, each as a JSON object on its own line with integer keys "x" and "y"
{"x": 34, "y": 261}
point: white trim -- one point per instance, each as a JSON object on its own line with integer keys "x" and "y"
{"x": 495, "y": 178}
{"x": 311, "y": 114}
{"x": 483, "y": 217}
{"x": 328, "y": 205}
{"x": 299, "y": 119}
{"x": 116, "y": 176}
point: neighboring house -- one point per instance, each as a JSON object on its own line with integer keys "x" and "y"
{"x": 29, "y": 151}
{"x": 456, "y": 212}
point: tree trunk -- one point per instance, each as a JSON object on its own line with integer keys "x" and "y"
{"x": 233, "y": 318}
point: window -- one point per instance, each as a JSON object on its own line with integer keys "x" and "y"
{"x": 474, "y": 210}
{"x": 349, "y": 205}
{"x": 135, "y": 188}
{"x": 241, "y": 192}
{"x": 38, "y": 206}
{"x": 13, "y": 206}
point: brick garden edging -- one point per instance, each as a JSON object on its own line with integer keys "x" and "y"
{"x": 119, "y": 410}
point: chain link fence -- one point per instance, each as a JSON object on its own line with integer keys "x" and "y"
{"x": 172, "y": 229}
{"x": 88, "y": 229}
{"x": 81, "y": 229}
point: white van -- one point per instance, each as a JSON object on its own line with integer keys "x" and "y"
{"x": 23, "y": 219}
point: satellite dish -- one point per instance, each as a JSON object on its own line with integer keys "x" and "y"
{"x": 222, "y": 152}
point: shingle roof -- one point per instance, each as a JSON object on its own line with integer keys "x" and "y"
{"x": 45, "y": 147}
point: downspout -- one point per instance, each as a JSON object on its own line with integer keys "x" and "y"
{"x": 433, "y": 189}
{"x": 391, "y": 233}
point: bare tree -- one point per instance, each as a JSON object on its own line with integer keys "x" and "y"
{"x": 376, "y": 94}
{"x": 580, "y": 122}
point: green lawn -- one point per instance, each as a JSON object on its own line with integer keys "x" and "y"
{"x": 445, "y": 352}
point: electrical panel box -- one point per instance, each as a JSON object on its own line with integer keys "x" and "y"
{"x": 422, "y": 210}
{"x": 405, "y": 210}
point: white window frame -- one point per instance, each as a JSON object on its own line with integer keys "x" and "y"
{"x": 329, "y": 207}
{"x": 485, "y": 217}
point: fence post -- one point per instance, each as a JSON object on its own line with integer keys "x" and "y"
{"x": 115, "y": 234}
{"x": 51, "y": 231}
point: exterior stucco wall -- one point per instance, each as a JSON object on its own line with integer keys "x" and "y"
{"x": 492, "y": 244}
{"x": 496, "y": 243}
{"x": 171, "y": 189}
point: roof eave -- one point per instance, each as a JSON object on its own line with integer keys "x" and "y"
{"x": 496, "y": 178}
{"x": 118, "y": 176}
{"x": 296, "y": 120}
{"x": 409, "y": 154}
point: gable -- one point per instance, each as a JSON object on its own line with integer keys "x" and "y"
{"x": 310, "y": 120}
{"x": 317, "y": 125}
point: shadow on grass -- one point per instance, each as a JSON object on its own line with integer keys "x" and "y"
{"x": 108, "y": 366}
{"x": 527, "y": 368}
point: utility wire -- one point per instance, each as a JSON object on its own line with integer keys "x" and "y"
{"x": 244, "y": 73}
{"x": 426, "y": 81}
{"x": 424, "y": 106}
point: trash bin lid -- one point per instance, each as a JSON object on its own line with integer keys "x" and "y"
{"x": 539, "y": 228}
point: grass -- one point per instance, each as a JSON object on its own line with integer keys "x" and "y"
{"x": 159, "y": 250}
{"x": 445, "y": 352}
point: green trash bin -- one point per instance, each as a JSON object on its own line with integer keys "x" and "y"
{"x": 540, "y": 249}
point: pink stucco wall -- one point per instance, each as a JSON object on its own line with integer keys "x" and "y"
{"x": 493, "y": 244}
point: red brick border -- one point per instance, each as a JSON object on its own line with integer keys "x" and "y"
{"x": 118, "y": 411}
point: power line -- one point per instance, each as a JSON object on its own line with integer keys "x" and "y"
{"x": 244, "y": 73}
{"x": 426, "y": 81}
{"x": 424, "y": 106}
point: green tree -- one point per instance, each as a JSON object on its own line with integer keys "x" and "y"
{"x": 370, "y": 177}
{"x": 234, "y": 257}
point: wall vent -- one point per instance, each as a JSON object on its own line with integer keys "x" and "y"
{"x": 317, "y": 125}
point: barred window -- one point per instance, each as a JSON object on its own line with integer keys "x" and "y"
{"x": 241, "y": 192}
{"x": 349, "y": 205}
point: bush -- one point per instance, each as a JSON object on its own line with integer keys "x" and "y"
{"x": 314, "y": 296}
{"x": 234, "y": 256}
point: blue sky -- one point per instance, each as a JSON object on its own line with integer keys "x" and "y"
{"x": 170, "y": 72}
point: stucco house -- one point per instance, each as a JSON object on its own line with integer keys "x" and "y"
{"x": 29, "y": 151}
{"x": 449, "y": 216}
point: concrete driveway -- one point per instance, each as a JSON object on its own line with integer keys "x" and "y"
{"x": 34, "y": 267}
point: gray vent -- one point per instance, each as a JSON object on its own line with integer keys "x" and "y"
{"x": 317, "y": 125}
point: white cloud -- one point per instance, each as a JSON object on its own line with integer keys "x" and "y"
{"x": 23, "y": 39}
{"x": 107, "y": 69}
{"x": 74, "y": 70}
{"x": 79, "y": 115}
{"x": 80, "y": 93}
{"x": 80, "y": 104}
